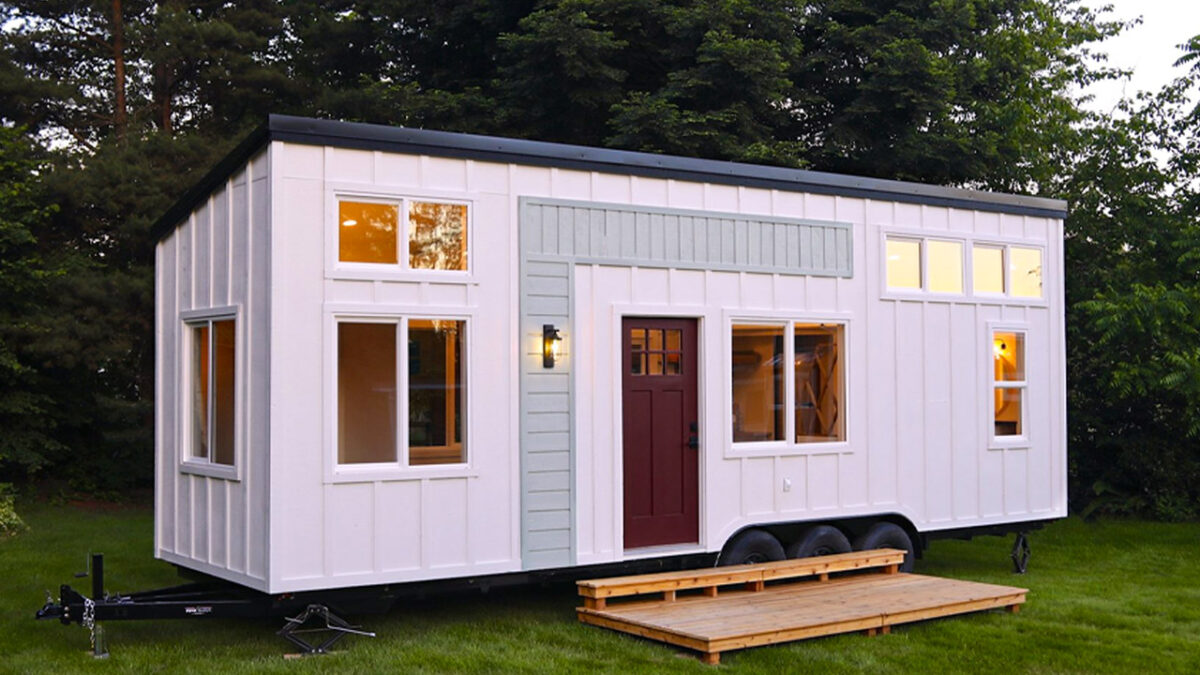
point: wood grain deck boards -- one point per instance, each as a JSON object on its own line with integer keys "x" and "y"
{"x": 800, "y": 610}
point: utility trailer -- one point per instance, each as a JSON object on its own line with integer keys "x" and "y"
{"x": 390, "y": 356}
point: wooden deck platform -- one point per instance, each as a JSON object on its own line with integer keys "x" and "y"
{"x": 805, "y": 605}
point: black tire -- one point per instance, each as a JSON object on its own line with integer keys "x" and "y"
{"x": 751, "y": 546}
{"x": 888, "y": 535}
{"x": 819, "y": 540}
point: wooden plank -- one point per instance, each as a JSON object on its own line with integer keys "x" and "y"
{"x": 744, "y": 617}
{"x": 772, "y": 571}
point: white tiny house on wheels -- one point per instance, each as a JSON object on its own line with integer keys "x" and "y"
{"x": 393, "y": 355}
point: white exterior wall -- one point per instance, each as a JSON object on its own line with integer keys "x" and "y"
{"x": 919, "y": 373}
{"x": 918, "y": 378}
{"x": 212, "y": 518}
{"x": 358, "y": 526}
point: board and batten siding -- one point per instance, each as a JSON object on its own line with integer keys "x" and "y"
{"x": 559, "y": 236}
{"x": 336, "y": 526}
{"x": 217, "y": 258}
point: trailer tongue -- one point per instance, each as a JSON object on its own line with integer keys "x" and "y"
{"x": 216, "y": 599}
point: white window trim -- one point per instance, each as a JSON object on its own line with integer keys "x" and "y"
{"x": 187, "y": 462}
{"x": 788, "y": 446}
{"x": 398, "y": 470}
{"x": 398, "y": 271}
{"x": 994, "y": 442}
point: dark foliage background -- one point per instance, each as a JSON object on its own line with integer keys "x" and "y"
{"x": 111, "y": 108}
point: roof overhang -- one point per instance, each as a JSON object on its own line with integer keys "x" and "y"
{"x": 359, "y": 136}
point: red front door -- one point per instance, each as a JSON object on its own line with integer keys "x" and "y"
{"x": 660, "y": 432}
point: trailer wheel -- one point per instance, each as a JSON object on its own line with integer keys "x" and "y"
{"x": 819, "y": 540}
{"x": 888, "y": 535}
{"x": 751, "y": 546}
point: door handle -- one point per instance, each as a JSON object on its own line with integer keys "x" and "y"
{"x": 693, "y": 440}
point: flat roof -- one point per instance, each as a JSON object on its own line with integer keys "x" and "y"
{"x": 356, "y": 135}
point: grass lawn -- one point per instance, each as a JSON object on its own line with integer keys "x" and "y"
{"x": 1113, "y": 596}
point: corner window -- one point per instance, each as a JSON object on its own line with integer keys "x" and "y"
{"x": 1025, "y": 270}
{"x": 434, "y": 236}
{"x": 1020, "y": 278}
{"x": 788, "y": 383}
{"x": 213, "y": 377}
{"x": 1008, "y": 383}
{"x": 377, "y": 385}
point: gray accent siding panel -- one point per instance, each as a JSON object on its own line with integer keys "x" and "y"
{"x": 555, "y": 235}
{"x": 612, "y": 234}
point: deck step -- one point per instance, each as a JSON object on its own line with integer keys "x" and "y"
{"x": 756, "y": 614}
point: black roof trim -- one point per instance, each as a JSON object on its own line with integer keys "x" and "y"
{"x": 361, "y": 136}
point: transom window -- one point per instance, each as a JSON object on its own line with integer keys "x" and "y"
{"x": 1008, "y": 383}
{"x": 213, "y": 397}
{"x": 788, "y": 382}
{"x": 434, "y": 236}
{"x": 1021, "y": 277}
{"x": 378, "y": 385}
{"x": 933, "y": 265}
{"x": 936, "y": 266}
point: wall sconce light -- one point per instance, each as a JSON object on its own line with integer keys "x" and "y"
{"x": 999, "y": 347}
{"x": 551, "y": 339}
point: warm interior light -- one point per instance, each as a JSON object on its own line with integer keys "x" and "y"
{"x": 349, "y": 222}
{"x": 550, "y": 345}
{"x": 1000, "y": 348}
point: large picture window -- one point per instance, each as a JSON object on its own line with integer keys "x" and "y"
{"x": 213, "y": 377}
{"x": 378, "y": 385}
{"x": 434, "y": 236}
{"x": 788, "y": 382}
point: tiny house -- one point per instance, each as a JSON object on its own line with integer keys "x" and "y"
{"x": 390, "y": 355}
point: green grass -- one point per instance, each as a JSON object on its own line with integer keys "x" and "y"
{"x": 1114, "y": 596}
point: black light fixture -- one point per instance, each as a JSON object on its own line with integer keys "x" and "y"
{"x": 550, "y": 342}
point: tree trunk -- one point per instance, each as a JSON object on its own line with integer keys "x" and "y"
{"x": 120, "y": 114}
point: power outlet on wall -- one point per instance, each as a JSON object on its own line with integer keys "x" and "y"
{"x": 787, "y": 484}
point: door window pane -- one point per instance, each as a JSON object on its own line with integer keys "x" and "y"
{"x": 224, "y": 354}
{"x": 903, "y": 263}
{"x": 367, "y": 232}
{"x": 945, "y": 266}
{"x": 437, "y": 236}
{"x": 1025, "y": 266}
{"x": 988, "y": 262}
{"x": 758, "y": 395}
{"x": 366, "y": 392}
{"x": 435, "y": 392}
{"x": 818, "y": 382}
{"x": 200, "y": 388}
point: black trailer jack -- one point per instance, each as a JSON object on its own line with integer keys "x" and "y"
{"x": 210, "y": 599}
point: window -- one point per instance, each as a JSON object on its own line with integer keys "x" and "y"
{"x": 371, "y": 392}
{"x": 904, "y": 263}
{"x": 435, "y": 237}
{"x": 1008, "y": 383}
{"x": 1024, "y": 270}
{"x": 656, "y": 351}
{"x": 775, "y": 402}
{"x": 213, "y": 378}
{"x": 945, "y": 266}
{"x": 933, "y": 265}
{"x": 988, "y": 262}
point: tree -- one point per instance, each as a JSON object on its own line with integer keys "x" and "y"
{"x": 28, "y": 442}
